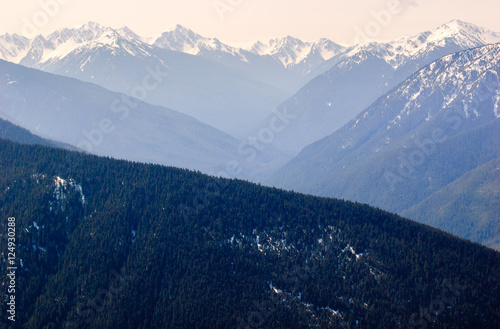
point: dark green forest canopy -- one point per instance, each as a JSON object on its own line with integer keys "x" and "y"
{"x": 114, "y": 244}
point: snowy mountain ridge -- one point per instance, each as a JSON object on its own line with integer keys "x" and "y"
{"x": 288, "y": 51}
{"x": 292, "y": 51}
{"x": 118, "y": 59}
{"x": 355, "y": 79}
{"x": 432, "y": 130}
{"x": 13, "y": 47}
{"x": 461, "y": 35}
{"x": 185, "y": 40}
{"x": 449, "y": 81}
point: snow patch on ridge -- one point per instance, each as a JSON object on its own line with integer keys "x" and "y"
{"x": 496, "y": 106}
{"x": 62, "y": 186}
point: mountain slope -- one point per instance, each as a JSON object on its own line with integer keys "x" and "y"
{"x": 259, "y": 66}
{"x": 331, "y": 99}
{"x": 296, "y": 54}
{"x": 365, "y": 72}
{"x": 417, "y": 51}
{"x": 13, "y": 47}
{"x": 220, "y": 95}
{"x": 429, "y": 131}
{"x": 17, "y": 134}
{"x": 108, "y": 123}
{"x": 469, "y": 206}
{"x": 96, "y": 235}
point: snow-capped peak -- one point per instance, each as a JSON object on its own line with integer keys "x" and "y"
{"x": 130, "y": 35}
{"x": 279, "y": 45}
{"x": 59, "y": 44}
{"x": 13, "y": 47}
{"x": 89, "y": 26}
{"x": 474, "y": 34}
{"x": 79, "y": 34}
{"x": 65, "y": 41}
{"x": 179, "y": 38}
{"x": 326, "y": 48}
{"x": 292, "y": 51}
{"x": 451, "y": 37}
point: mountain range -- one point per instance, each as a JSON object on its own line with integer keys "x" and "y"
{"x": 235, "y": 89}
{"x": 192, "y": 66}
{"x": 109, "y": 234}
{"x": 217, "y": 84}
{"x": 107, "y": 123}
{"x": 361, "y": 74}
{"x": 426, "y": 136}
{"x": 98, "y": 121}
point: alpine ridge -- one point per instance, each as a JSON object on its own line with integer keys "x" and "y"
{"x": 432, "y": 129}
{"x": 363, "y": 73}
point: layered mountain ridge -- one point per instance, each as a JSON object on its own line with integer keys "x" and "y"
{"x": 436, "y": 126}
{"x": 287, "y": 51}
{"x": 107, "y": 123}
{"x": 120, "y": 60}
{"x": 363, "y": 73}
{"x": 251, "y": 81}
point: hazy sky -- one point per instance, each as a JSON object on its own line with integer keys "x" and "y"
{"x": 248, "y": 20}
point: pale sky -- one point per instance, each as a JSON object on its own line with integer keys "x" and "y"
{"x": 235, "y": 21}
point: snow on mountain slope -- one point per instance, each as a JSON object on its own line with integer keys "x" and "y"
{"x": 288, "y": 51}
{"x": 436, "y": 126}
{"x": 228, "y": 97}
{"x": 332, "y": 99}
{"x": 233, "y": 93}
{"x": 130, "y": 35}
{"x": 249, "y": 83}
{"x": 184, "y": 40}
{"x": 292, "y": 52}
{"x": 453, "y": 36}
{"x": 13, "y": 47}
{"x": 474, "y": 70}
{"x": 89, "y": 37}
{"x": 285, "y": 64}
{"x": 467, "y": 83}
{"x": 464, "y": 84}
{"x": 363, "y": 73}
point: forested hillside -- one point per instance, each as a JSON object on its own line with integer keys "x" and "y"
{"x": 103, "y": 243}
